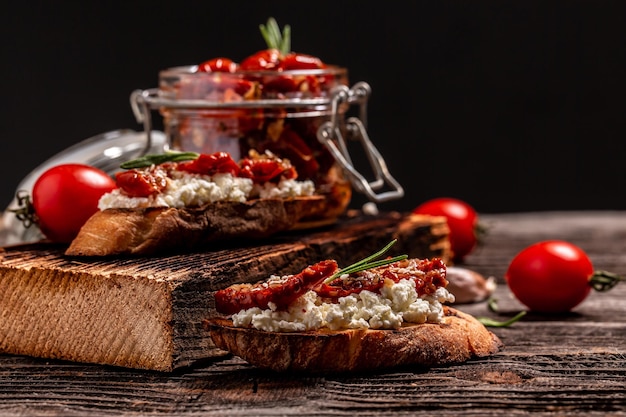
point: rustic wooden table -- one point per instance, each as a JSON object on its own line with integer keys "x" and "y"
{"x": 572, "y": 364}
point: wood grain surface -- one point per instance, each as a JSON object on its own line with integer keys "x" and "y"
{"x": 147, "y": 312}
{"x": 572, "y": 364}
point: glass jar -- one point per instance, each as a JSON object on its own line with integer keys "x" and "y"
{"x": 297, "y": 115}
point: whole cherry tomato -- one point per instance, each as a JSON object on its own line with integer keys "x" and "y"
{"x": 555, "y": 276}
{"x": 550, "y": 276}
{"x": 65, "y": 196}
{"x": 462, "y": 221}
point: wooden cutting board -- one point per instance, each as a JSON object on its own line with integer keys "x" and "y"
{"x": 147, "y": 312}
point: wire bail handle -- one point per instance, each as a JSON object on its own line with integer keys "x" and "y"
{"x": 139, "y": 103}
{"x": 330, "y": 135}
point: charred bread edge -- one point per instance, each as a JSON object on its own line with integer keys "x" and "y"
{"x": 458, "y": 338}
{"x": 158, "y": 229}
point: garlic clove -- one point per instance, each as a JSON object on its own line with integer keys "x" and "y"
{"x": 469, "y": 286}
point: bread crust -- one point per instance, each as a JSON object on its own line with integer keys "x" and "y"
{"x": 143, "y": 231}
{"x": 458, "y": 338}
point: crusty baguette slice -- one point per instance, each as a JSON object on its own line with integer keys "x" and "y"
{"x": 458, "y": 338}
{"x": 158, "y": 229}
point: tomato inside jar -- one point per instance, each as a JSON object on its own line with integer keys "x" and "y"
{"x": 240, "y": 112}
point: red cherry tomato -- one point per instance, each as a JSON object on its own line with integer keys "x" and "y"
{"x": 462, "y": 221}
{"x": 65, "y": 196}
{"x": 218, "y": 65}
{"x": 552, "y": 276}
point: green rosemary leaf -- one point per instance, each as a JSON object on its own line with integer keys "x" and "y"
{"x": 370, "y": 265}
{"x": 375, "y": 255}
{"x": 266, "y": 36}
{"x": 492, "y": 304}
{"x": 274, "y": 33}
{"x": 366, "y": 263}
{"x": 495, "y": 323}
{"x": 285, "y": 44}
{"x": 274, "y": 38}
{"x": 271, "y": 33}
{"x": 156, "y": 159}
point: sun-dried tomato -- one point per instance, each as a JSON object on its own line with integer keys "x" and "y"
{"x": 351, "y": 285}
{"x": 219, "y": 64}
{"x": 279, "y": 292}
{"x": 261, "y": 170}
{"x": 428, "y": 275}
{"x": 136, "y": 183}
{"x": 211, "y": 164}
{"x": 266, "y": 59}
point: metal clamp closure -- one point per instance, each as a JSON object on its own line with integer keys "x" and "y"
{"x": 330, "y": 134}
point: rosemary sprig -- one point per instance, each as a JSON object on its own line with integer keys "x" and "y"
{"x": 273, "y": 37}
{"x": 367, "y": 263}
{"x": 492, "y": 305}
{"x": 157, "y": 159}
{"x": 486, "y": 321}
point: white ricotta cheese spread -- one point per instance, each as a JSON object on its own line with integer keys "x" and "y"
{"x": 190, "y": 190}
{"x": 284, "y": 189}
{"x": 396, "y": 303}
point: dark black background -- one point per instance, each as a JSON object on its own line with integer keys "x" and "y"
{"x": 509, "y": 105}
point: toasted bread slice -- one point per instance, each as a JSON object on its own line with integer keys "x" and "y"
{"x": 458, "y": 338}
{"x": 142, "y": 231}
